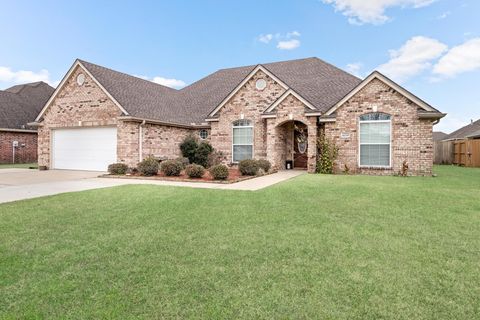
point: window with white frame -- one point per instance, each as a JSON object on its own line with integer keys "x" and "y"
{"x": 242, "y": 146}
{"x": 375, "y": 140}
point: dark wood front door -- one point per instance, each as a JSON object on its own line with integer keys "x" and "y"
{"x": 300, "y": 157}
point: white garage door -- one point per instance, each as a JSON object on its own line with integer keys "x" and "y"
{"x": 84, "y": 149}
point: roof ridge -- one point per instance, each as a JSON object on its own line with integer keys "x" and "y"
{"x": 125, "y": 74}
{"x": 23, "y": 86}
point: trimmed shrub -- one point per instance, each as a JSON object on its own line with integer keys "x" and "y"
{"x": 148, "y": 167}
{"x": 171, "y": 168}
{"x": 265, "y": 165}
{"x": 219, "y": 172}
{"x": 189, "y": 147}
{"x": 215, "y": 158}
{"x": 248, "y": 167}
{"x": 194, "y": 170}
{"x": 201, "y": 154}
{"x": 118, "y": 168}
{"x": 183, "y": 161}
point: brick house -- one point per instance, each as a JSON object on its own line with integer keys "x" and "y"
{"x": 273, "y": 111}
{"x": 19, "y": 105}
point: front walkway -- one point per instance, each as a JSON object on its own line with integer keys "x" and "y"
{"x": 20, "y": 184}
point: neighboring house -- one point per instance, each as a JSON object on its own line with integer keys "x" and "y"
{"x": 20, "y": 105}
{"x": 273, "y": 111}
{"x": 470, "y": 131}
{"x": 439, "y": 136}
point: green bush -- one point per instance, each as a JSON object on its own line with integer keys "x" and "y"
{"x": 327, "y": 153}
{"x": 201, "y": 154}
{"x": 265, "y": 165}
{"x": 148, "y": 167}
{"x": 171, "y": 167}
{"x": 194, "y": 170}
{"x": 219, "y": 172}
{"x": 215, "y": 158}
{"x": 248, "y": 167}
{"x": 189, "y": 147}
{"x": 183, "y": 161}
{"x": 118, "y": 168}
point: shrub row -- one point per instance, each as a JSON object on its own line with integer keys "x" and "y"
{"x": 252, "y": 167}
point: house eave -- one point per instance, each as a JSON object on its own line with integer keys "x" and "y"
{"x": 17, "y": 130}
{"x": 431, "y": 115}
{"x": 164, "y": 123}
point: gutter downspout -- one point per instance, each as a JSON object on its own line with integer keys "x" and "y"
{"x": 140, "y": 140}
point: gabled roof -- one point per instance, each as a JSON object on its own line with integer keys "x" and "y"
{"x": 469, "y": 131}
{"x": 439, "y": 135}
{"x": 20, "y": 104}
{"x": 377, "y": 75}
{"x": 320, "y": 84}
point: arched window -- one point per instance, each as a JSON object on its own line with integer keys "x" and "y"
{"x": 375, "y": 140}
{"x": 242, "y": 144}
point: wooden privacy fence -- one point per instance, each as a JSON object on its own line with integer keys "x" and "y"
{"x": 467, "y": 152}
{"x": 443, "y": 152}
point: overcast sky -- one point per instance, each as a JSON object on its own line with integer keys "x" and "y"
{"x": 431, "y": 47}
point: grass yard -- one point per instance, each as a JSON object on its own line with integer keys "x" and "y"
{"x": 317, "y": 246}
{"x": 18, "y": 165}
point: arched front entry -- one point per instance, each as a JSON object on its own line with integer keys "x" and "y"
{"x": 292, "y": 145}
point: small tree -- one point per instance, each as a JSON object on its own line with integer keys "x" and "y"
{"x": 189, "y": 147}
{"x": 327, "y": 153}
{"x": 204, "y": 149}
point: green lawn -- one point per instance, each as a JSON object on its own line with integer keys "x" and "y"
{"x": 317, "y": 246}
{"x": 18, "y": 165}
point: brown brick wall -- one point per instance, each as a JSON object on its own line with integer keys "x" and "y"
{"x": 158, "y": 140}
{"x": 278, "y": 141}
{"x": 411, "y": 137}
{"x": 76, "y": 106}
{"x": 26, "y": 152}
{"x": 251, "y": 102}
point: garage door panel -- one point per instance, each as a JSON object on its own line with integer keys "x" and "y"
{"x": 84, "y": 149}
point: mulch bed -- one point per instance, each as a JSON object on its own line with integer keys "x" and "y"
{"x": 233, "y": 176}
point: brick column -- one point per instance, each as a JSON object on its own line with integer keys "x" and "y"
{"x": 271, "y": 143}
{"x": 312, "y": 144}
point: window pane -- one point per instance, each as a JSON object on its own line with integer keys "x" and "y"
{"x": 242, "y": 152}
{"x": 375, "y": 116}
{"x": 242, "y": 136}
{"x": 375, "y": 155}
{"x": 375, "y": 132}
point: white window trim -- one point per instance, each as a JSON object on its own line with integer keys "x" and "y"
{"x": 360, "y": 122}
{"x": 253, "y": 138}
{"x": 200, "y": 135}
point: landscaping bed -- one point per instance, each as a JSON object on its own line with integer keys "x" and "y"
{"x": 234, "y": 175}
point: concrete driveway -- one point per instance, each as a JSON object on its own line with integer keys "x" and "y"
{"x": 20, "y": 184}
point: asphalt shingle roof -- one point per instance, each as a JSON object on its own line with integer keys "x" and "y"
{"x": 321, "y": 83}
{"x": 21, "y": 104}
{"x": 469, "y": 130}
{"x": 439, "y": 135}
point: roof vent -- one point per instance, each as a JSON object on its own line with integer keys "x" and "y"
{"x": 261, "y": 84}
{"x": 80, "y": 79}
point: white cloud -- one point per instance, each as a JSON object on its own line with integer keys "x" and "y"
{"x": 285, "y": 41}
{"x": 288, "y": 44}
{"x": 372, "y": 11}
{"x": 354, "y": 68}
{"x": 293, "y": 34}
{"x": 265, "y": 38}
{"x": 459, "y": 59}
{"x": 7, "y": 75}
{"x": 412, "y": 58}
{"x": 444, "y": 15}
{"x": 172, "y": 83}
